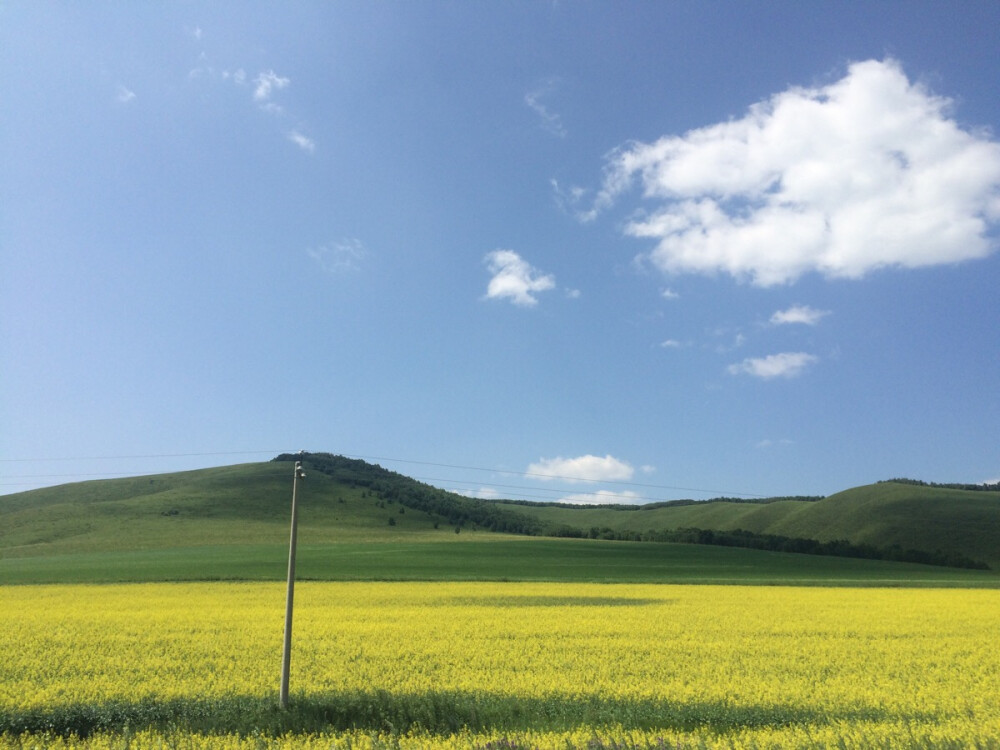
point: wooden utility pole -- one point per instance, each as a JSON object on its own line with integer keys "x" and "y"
{"x": 286, "y": 655}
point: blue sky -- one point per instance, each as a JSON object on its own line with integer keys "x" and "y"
{"x": 662, "y": 249}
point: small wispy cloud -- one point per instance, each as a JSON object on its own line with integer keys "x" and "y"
{"x": 738, "y": 340}
{"x": 265, "y": 84}
{"x": 669, "y": 294}
{"x": 302, "y": 141}
{"x": 802, "y": 314}
{"x": 586, "y": 468}
{"x": 124, "y": 95}
{"x": 671, "y": 344}
{"x": 570, "y": 199}
{"x": 482, "y": 493}
{"x": 603, "y": 497}
{"x": 515, "y": 279}
{"x": 784, "y": 365}
{"x": 337, "y": 257}
{"x": 551, "y": 122}
{"x": 238, "y": 76}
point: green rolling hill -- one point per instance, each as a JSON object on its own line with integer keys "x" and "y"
{"x": 361, "y": 521}
{"x": 242, "y": 504}
{"x": 926, "y": 518}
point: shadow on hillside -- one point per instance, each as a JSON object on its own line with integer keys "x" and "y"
{"x": 437, "y": 712}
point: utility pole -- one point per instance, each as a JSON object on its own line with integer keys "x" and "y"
{"x": 286, "y": 654}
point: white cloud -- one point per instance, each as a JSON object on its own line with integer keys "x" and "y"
{"x": 864, "y": 173}
{"x": 551, "y": 122}
{"x": 784, "y": 365}
{"x": 586, "y": 468}
{"x": 603, "y": 497}
{"x": 482, "y": 493}
{"x": 573, "y": 293}
{"x": 670, "y": 344}
{"x": 344, "y": 255}
{"x": 124, "y": 95}
{"x": 669, "y": 294}
{"x": 515, "y": 279}
{"x": 303, "y": 142}
{"x": 798, "y": 314}
{"x": 266, "y": 84}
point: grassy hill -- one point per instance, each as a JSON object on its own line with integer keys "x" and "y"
{"x": 241, "y": 504}
{"x": 882, "y": 515}
{"x": 362, "y": 521}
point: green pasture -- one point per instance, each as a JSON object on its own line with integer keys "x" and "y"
{"x": 361, "y": 522}
{"x": 882, "y": 515}
{"x": 485, "y": 559}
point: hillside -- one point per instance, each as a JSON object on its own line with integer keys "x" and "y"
{"x": 340, "y": 501}
{"x": 909, "y": 516}
{"x": 348, "y": 501}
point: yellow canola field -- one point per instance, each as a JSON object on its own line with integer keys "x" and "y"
{"x": 513, "y": 665}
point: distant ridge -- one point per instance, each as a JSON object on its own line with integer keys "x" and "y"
{"x": 981, "y": 487}
{"x": 906, "y": 521}
{"x": 352, "y": 501}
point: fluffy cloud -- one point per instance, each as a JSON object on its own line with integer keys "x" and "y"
{"x": 603, "y": 497}
{"x": 798, "y": 314}
{"x": 586, "y": 468}
{"x": 784, "y": 365}
{"x": 866, "y": 172}
{"x": 514, "y": 279}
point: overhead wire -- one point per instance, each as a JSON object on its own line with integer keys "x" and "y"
{"x": 370, "y": 458}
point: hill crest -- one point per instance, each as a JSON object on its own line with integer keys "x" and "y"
{"x": 350, "y": 500}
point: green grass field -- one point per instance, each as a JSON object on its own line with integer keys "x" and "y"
{"x": 488, "y": 559}
{"x": 886, "y": 514}
{"x": 231, "y": 523}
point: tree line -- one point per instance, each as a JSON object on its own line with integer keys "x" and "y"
{"x": 777, "y": 543}
{"x": 981, "y": 487}
{"x": 391, "y": 487}
{"x": 458, "y": 511}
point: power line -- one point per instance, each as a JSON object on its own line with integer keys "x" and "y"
{"x": 508, "y": 472}
{"x": 144, "y": 455}
{"x": 555, "y": 495}
{"x": 557, "y": 476}
{"x": 75, "y": 474}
